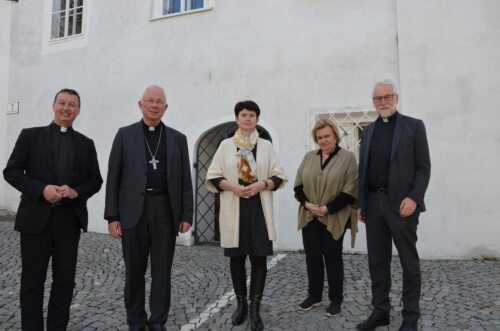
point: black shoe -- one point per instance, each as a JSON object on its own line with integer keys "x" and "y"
{"x": 333, "y": 309}
{"x": 375, "y": 319}
{"x": 156, "y": 327}
{"x": 409, "y": 326}
{"x": 309, "y": 303}
{"x": 255, "y": 319}
{"x": 256, "y": 323}
{"x": 241, "y": 312}
{"x": 136, "y": 328}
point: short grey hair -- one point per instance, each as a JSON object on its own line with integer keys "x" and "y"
{"x": 147, "y": 88}
{"x": 389, "y": 82}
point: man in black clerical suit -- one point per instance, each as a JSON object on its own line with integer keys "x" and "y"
{"x": 149, "y": 199}
{"x": 394, "y": 171}
{"x": 56, "y": 170}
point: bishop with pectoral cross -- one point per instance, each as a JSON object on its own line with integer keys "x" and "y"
{"x": 146, "y": 208}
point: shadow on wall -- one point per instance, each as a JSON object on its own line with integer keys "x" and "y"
{"x": 7, "y": 216}
{"x": 484, "y": 253}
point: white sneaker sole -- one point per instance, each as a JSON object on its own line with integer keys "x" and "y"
{"x": 332, "y": 315}
{"x": 311, "y": 307}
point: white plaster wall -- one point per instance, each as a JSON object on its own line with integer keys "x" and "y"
{"x": 290, "y": 57}
{"x": 450, "y": 76}
{"x": 5, "y": 24}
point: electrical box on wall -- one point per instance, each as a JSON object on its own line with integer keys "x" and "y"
{"x": 13, "y": 108}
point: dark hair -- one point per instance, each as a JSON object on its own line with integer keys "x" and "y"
{"x": 69, "y": 91}
{"x": 248, "y": 105}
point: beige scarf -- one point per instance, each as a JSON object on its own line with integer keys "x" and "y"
{"x": 248, "y": 166}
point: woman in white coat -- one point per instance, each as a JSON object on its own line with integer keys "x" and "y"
{"x": 245, "y": 171}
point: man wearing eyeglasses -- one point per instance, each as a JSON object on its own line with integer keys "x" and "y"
{"x": 394, "y": 172}
{"x": 149, "y": 200}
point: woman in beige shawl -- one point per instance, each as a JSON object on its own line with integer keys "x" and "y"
{"x": 326, "y": 187}
{"x": 245, "y": 170}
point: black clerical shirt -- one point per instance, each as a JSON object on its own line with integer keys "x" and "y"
{"x": 379, "y": 162}
{"x": 63, "y": 154}
{"x": 157, "y": 178}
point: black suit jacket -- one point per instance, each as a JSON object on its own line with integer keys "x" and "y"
{"x": 410, "y": 163}
{"x": 29, "y": 170}
{"x": 127, "y": 176}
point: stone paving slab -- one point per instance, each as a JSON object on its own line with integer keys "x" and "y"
{"x": 456, "y": 294}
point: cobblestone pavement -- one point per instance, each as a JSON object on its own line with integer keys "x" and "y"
{"x": 456, "y": 294}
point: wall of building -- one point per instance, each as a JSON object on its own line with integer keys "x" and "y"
{"x": 450, "y": 70}
{"x": 5, "y": 25}
{"x": 290, "y": 59}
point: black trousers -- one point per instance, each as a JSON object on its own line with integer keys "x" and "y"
{"x": 383, "y": 226}
{"x": 322, "y": 250}
{"x": 59, "y": 239}
{"x": 153, "y": 237}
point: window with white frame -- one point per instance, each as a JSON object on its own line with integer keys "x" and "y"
{"x": 173, "y": 7}
{"x": 67, "y": 18}
{"x": 178, "y": 6}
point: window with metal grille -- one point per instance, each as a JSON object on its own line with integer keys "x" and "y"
{"x": 67, "y": 18}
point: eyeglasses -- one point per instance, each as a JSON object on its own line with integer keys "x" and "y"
{"x": 151, "y": 102}
{"x": 387, "y": 97}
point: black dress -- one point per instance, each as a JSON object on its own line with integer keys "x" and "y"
{"x": 254, "y": 239}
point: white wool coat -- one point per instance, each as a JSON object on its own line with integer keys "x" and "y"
{"x": 225, "y": 164}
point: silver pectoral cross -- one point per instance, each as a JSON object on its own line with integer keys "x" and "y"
{"x": 154, "y": 162}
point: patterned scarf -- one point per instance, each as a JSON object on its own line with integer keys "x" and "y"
{"x": 247, "y": 166}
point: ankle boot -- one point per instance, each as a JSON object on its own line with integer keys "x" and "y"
{"x": 241, "y": 312}
{"x": 239, "y": 277}
{"x": 257, "y": 282}
{"x": 255, "y": 320}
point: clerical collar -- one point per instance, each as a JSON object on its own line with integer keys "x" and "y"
{"x": 59, "y": 128}
{"x": 150, "y": 128}
{"x": 390, "y": 118}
